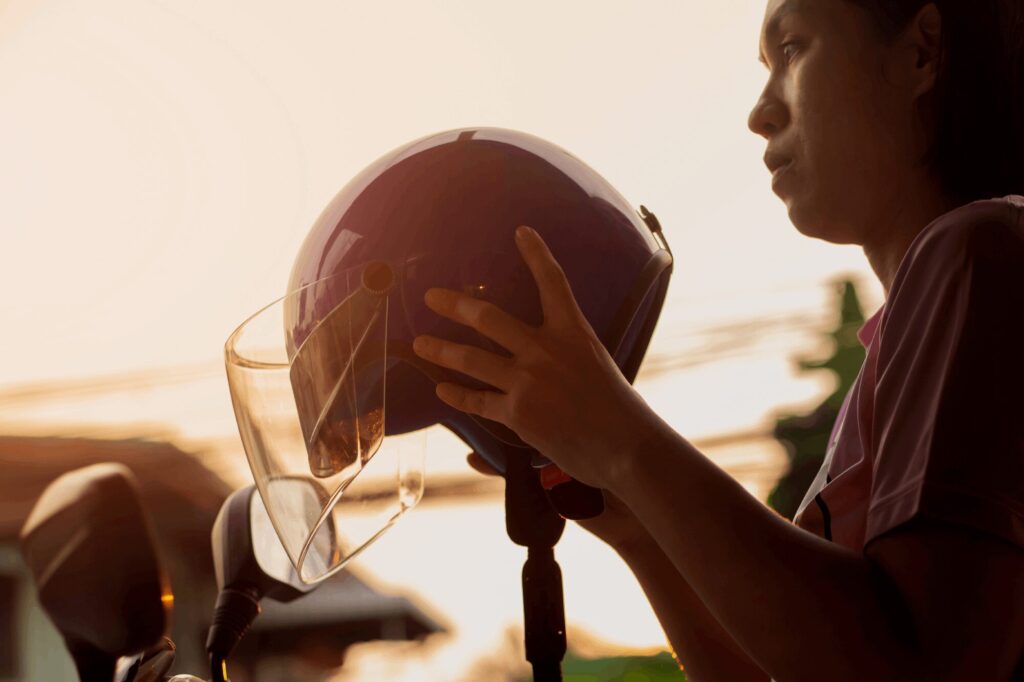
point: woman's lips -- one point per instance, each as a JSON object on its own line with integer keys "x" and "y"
{"x": 779, "y": 173}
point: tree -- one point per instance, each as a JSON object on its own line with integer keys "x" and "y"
{"x": 805, "y": 436}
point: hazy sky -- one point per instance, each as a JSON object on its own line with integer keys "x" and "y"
{"x": 160, "y": 163}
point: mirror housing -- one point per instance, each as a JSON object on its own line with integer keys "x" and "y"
{"x": 89, "y": 545}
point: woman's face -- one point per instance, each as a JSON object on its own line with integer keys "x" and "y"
{"x": 843, "y": 136}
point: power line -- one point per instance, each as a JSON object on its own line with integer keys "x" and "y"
{"x": 45, "y": 391}
{"x": 722, "y": 340}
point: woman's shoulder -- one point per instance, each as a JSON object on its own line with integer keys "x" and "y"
{"x": 966, "y": 269}
{"x": 990, "y": 229}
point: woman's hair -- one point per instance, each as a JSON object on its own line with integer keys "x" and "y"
{"x": 978, "y": 104}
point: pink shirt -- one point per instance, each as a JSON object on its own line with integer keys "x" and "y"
{"x": 934, "y": 424}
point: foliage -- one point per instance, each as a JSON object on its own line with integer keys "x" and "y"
{"x": 805, "y": 436}
{"x": 659, "y": 668}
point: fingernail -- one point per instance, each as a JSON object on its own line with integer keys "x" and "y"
{"x": 418, "y": 344}
{"x": 522, "y": 232}
{"x": 432, "y": 297}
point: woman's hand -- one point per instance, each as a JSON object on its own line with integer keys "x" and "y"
{"x": 616, "y": 526}
{"x": 561, "y": 391}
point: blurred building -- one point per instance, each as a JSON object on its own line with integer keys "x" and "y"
{"x": 308, "y": 638}
{"x": 182, "y": 497}
{"x": 175, "y": 428}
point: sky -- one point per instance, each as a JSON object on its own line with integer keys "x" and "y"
{"x": 162, "y": 161}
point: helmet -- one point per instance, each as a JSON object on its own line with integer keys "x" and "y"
{"x": 441, "y": 212}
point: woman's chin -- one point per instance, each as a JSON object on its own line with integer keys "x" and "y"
{"x": 810, "y": 218}
{"x": 818, "y": 224}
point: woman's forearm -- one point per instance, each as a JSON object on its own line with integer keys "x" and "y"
{"x": 803, "y": 607}
{"x": 705, "y": 650}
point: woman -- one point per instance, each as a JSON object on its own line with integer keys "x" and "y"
{"x": 886, "y": 123}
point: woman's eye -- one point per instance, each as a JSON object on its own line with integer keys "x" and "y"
{"x": 789, "y": 50}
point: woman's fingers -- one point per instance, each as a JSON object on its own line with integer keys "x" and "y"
{"x": 556, "y": 296}
{"x": 486, "y": 404}
{"x": 469, "y": 360}
{"x": 484, "y": 317}
{"x": 480, "y": 464}
{"x": 557, "y": 300}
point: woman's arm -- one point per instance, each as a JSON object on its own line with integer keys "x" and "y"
{"x": 804, "y": 608}
{"x": 809, "y": 609}
{"x": 703, "y": 648}
{"x": 800, "y": 604}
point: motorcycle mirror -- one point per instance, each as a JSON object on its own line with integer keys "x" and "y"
{"x": 247, "y": 553}
{"x": 89, "y": 546}
{"x": 249, "y": 563}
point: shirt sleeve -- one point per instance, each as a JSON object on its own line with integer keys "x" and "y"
{"x": 948, "y": 425}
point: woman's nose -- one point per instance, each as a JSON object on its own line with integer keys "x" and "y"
{"x": 768, "y": 116}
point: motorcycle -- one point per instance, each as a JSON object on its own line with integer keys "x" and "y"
{"x": 90, "y": 547}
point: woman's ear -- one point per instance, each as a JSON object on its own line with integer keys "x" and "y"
{"x": 920, "y": 49}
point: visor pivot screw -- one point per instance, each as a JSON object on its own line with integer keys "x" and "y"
{"x": 378, "y": 278}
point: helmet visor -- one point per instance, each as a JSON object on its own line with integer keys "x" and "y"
{"x": 307, "y": 380}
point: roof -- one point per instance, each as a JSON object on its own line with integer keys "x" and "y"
{"x": 342, "y": 611}
{"x": 181, "y": 494}
{"x": 340, "y": 599}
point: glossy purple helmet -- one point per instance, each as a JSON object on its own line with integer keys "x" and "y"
{"x": 440, "y": 212}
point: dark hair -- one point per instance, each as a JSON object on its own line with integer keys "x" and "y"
{"x": 978, "y": 145}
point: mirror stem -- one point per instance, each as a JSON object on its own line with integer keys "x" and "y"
{"x": 235, "y": 611}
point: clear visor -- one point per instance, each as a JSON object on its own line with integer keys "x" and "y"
{"x": 307, "y": 379}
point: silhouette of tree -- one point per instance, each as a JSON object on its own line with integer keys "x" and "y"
{"x": 805, "y": 436}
